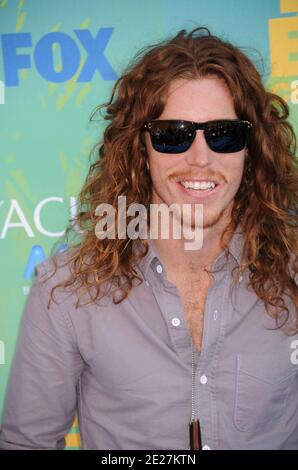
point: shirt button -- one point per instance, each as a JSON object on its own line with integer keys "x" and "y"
{"x": 176, "y": 322}
{"x": 206, "y": 448}
{"x": 203, "y": 379}
{"x": 159, "y": 268}
{"x": 215, "y": 314}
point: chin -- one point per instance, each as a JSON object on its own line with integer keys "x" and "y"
{"x": 211, "y": 220}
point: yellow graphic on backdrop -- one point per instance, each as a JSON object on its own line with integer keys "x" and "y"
{"x": 283, "y": 36}
{"x": 283, "y": 42}
{"x": 288, "y": 6}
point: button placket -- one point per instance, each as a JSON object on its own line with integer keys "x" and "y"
{"x": 211, "y": 332}
{"x": 178, "y": 330}
{"x": 219, "y": 309}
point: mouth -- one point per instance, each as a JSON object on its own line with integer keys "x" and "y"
{"x": 199, "y": 188}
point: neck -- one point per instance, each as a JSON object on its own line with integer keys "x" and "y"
{"x": 180, "y": 262}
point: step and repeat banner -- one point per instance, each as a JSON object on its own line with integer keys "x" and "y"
{"x": 58, "y": 60}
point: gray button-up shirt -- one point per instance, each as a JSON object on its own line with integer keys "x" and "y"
{"x": 126, "y": 368}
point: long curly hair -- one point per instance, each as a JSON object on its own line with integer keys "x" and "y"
{"x": 265, "y": 204}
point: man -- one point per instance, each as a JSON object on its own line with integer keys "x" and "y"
{"x": 155, "y": 345}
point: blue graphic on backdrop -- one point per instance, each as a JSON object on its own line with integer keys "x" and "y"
{"x": 69, "y": 52}
{"x": 37, "y": 255}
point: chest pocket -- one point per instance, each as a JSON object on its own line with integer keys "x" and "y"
{"x": 263, "y": 385}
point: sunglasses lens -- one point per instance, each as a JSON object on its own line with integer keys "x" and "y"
{"x": 177, "y": 136}
{"x": 171, "y": 137}
{"x": 227, "y": 137}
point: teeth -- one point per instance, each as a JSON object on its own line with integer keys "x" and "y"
{"x": 198, "y": 184}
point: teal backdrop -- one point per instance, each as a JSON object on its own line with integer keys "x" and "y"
{"x": 58, "y": 60}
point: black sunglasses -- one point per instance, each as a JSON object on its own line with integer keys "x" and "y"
{"x": 176, "y": 136}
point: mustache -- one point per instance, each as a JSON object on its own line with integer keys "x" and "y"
{"x": 178, "y": 176}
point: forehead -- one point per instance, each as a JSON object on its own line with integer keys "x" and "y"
{"x": 199, "y": 99}
{"x": 197, "y": 85}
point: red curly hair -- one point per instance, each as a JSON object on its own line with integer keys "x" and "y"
{"x": 265, "y": 204}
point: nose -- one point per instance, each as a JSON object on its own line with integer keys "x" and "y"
{"x": 199, "y": 153}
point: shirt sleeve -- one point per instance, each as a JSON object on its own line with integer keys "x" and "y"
{"x": 41, "y": 397}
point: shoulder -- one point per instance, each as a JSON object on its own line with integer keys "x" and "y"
{"x": 58, "y": 266}
{"x": 55, "y": 271}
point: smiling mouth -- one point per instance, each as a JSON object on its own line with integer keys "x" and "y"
{"x": 199, "y": 186}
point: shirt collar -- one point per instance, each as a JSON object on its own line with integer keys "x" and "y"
{"x": 236, "y": 244}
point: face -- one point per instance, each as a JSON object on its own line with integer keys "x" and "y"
{"x": 197, "y": 100}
